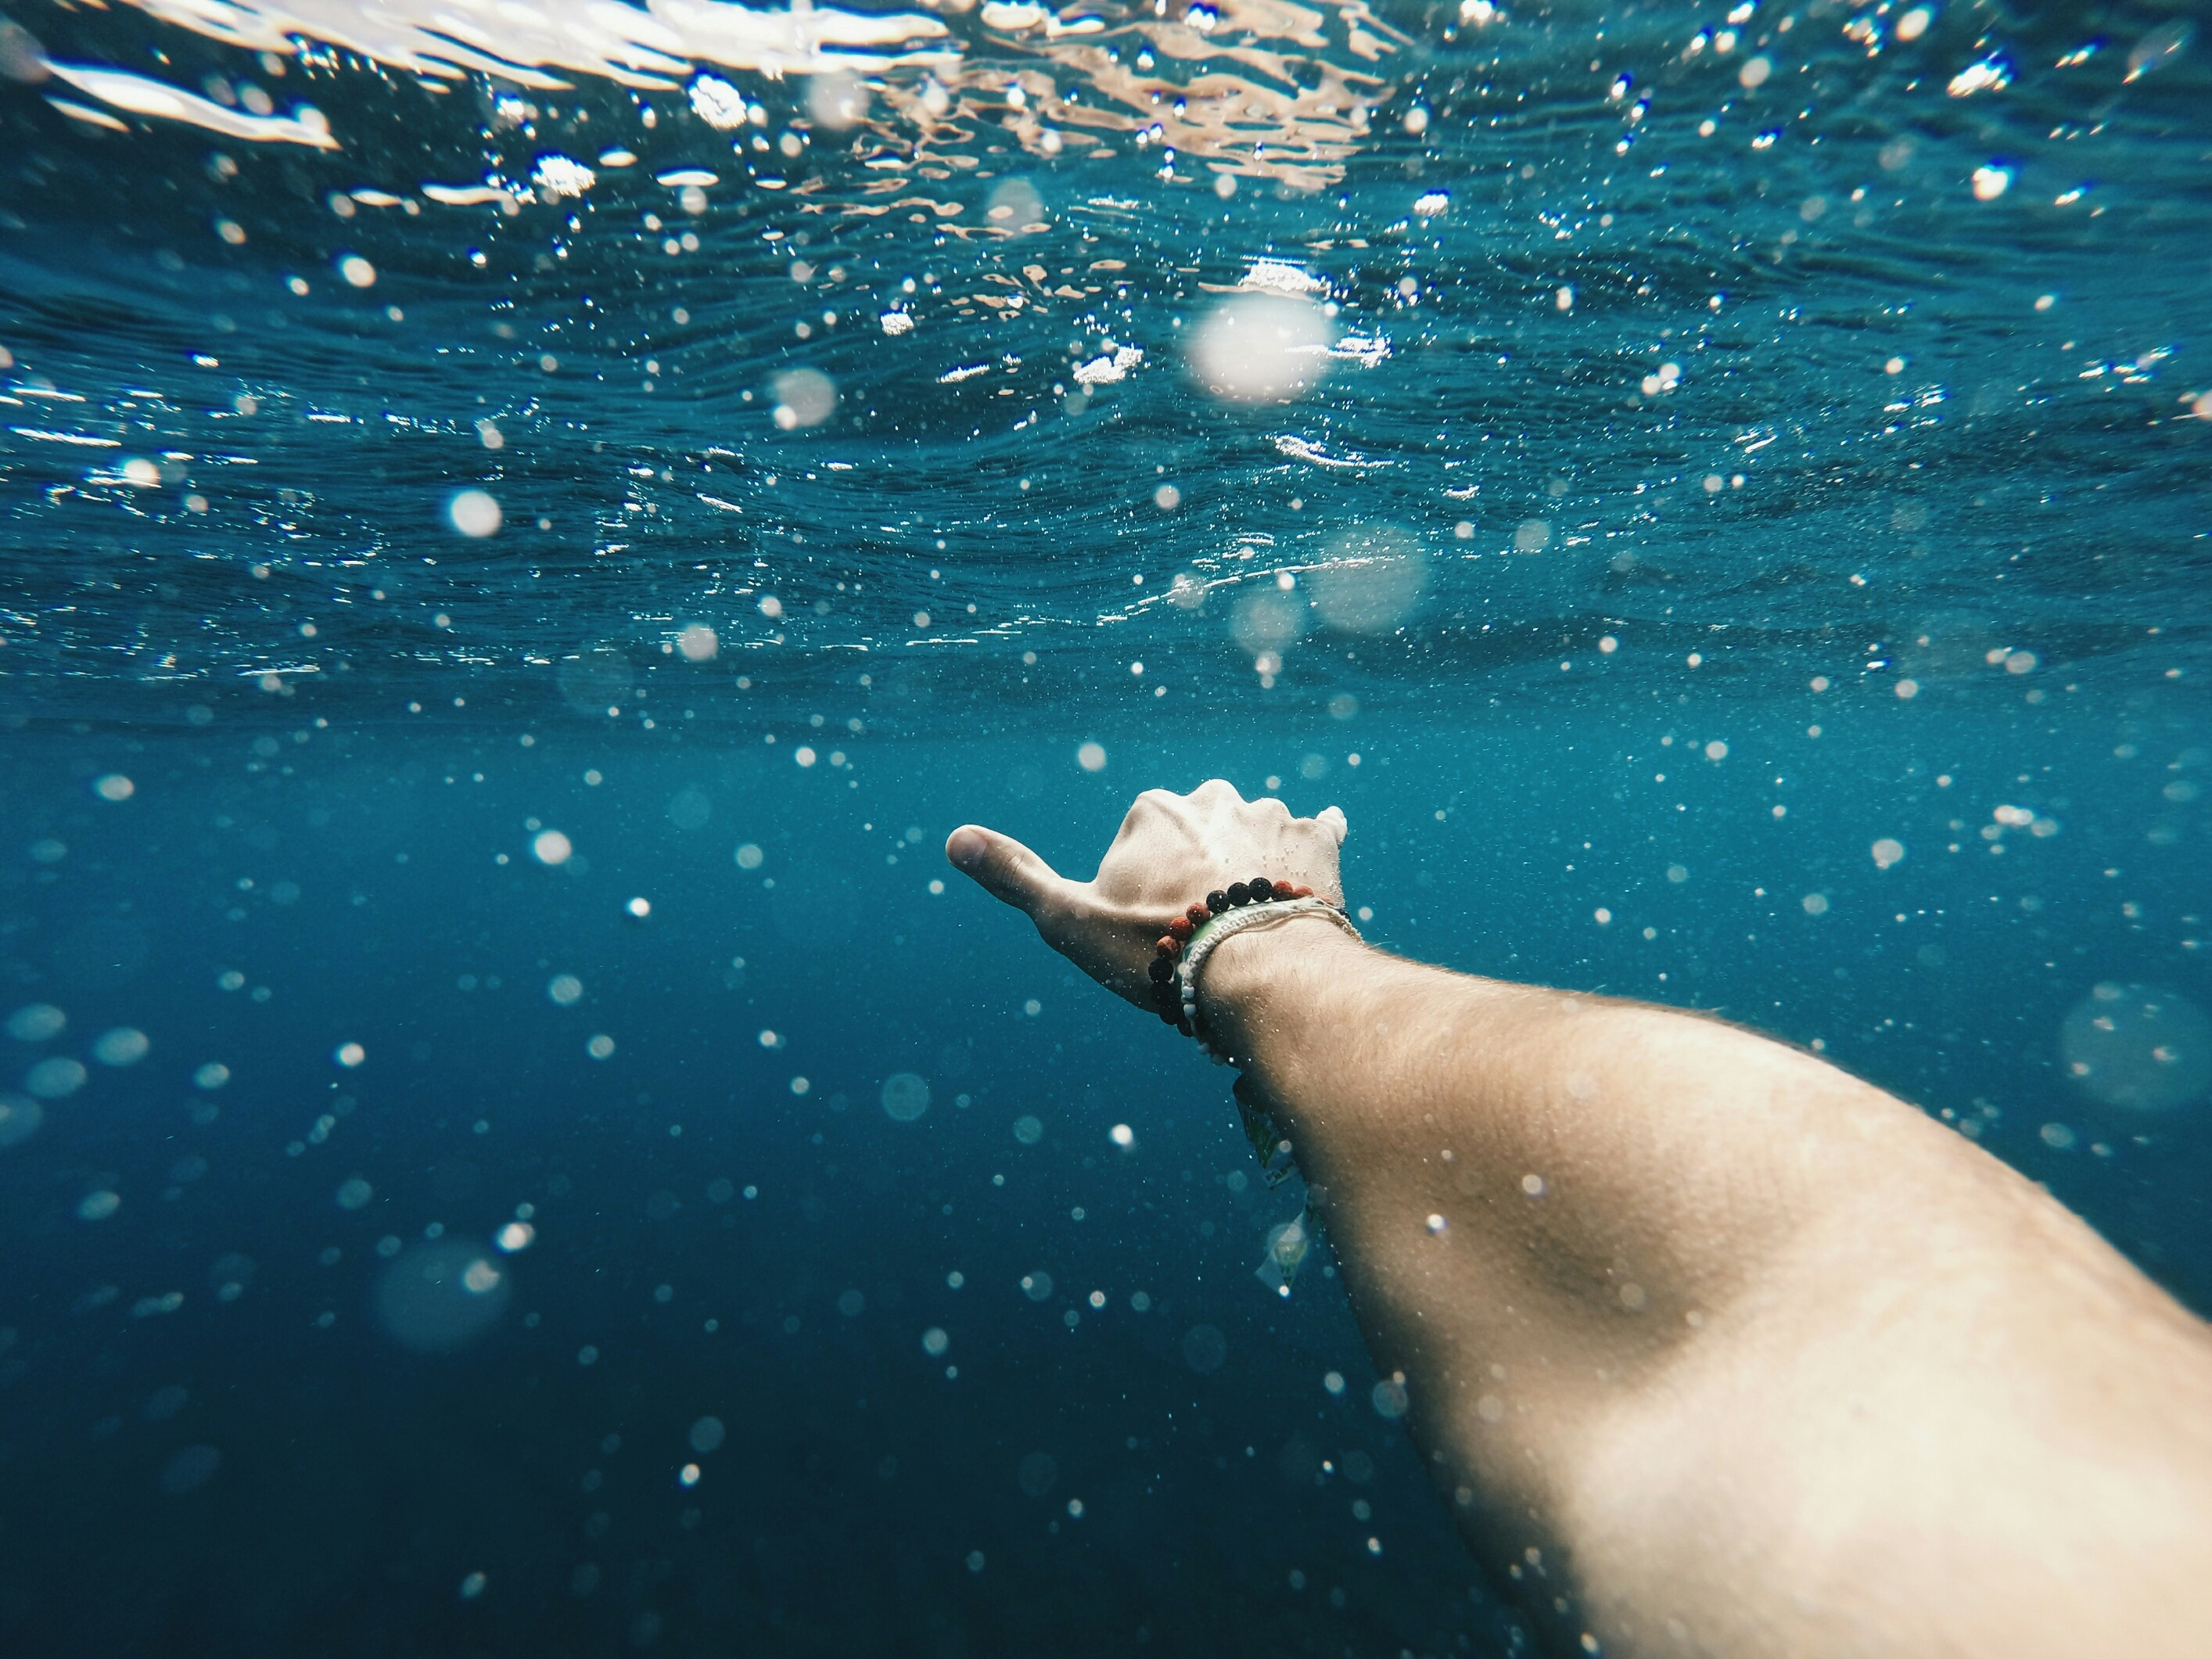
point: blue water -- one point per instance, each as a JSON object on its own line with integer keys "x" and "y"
{"x": 1845, "y": 677}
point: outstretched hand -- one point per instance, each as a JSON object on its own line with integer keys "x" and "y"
{"x": 1170, "y": 852}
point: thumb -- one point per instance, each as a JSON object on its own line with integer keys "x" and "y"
{"x": 1002, "y": 866}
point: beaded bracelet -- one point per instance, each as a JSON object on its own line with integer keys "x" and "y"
{"x": 1182, "y": 951}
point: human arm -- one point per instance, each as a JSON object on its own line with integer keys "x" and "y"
{"x": 1753, "y": 1357}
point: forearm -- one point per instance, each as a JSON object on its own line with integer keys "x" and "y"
{"x": 1616, "y": 1152}
{"x": 1558, "y": 1186}
{"x": 1622, "y": 1257}
{"x": 1716, "y": 1348}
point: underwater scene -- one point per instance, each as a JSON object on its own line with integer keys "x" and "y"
{"x": 524, "y": 525}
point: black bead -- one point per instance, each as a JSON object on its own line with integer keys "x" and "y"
{"x": 1237, "y": 894}
{"x": 1162, "y": 971}
{"x": 1217, "y": 901}
{"x": 1262, "y": 889}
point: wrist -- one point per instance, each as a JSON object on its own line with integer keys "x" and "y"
{"x": 1245, "y": 973}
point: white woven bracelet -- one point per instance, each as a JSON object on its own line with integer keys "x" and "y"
{"x": 1203, "y": 942}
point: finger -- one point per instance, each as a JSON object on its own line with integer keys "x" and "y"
{"x": 1002, "y": 866}
{"x": 1331, "y": 818}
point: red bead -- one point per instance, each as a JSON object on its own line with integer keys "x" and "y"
{"x": 1181, "y": 927}
{"x": 1168, "y": 946}
{"x": 1302, "y": 892}
{"x": 1283, "y": 890}
{"x": 1198, "y": 915}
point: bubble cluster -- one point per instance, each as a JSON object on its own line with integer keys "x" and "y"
{"x": 19, "y": 1119}
{"x": 54, "y": 1077}
{"x": 123, "y": 1046}
{"x": 475, "y": 513}
{"x": 1260, "y": 348}
{"x": 37, "y": 1022}
{"x": 440, "y": 1296}
{"x": 836, "y": 100}
{"x": 690, "y": 809}
{"x": 1369, "y": 581}
{"x": 2137, "y": 1046}
{"x": 803, "y": 398}
{"x": 905, "y": 1096}
{"x": 1204, "y": 1349}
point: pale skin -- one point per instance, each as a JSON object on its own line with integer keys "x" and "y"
{"x": 1716, "y": 1349}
